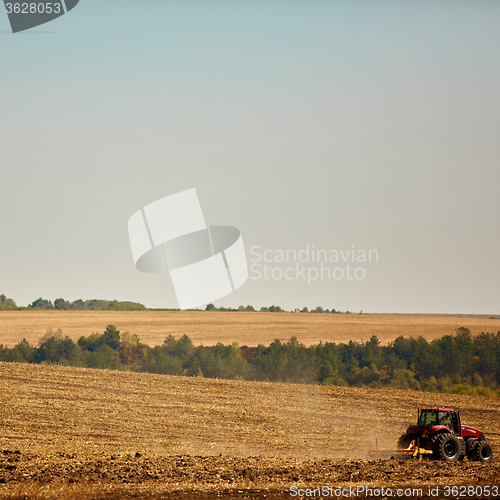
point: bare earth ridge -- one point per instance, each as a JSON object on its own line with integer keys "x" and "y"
{"x": 83, "y": 433}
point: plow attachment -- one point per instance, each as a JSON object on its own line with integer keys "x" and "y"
{"x": 412, "y": 451}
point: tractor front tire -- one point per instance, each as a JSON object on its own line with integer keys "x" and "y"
{"x": 482, "y": 451}
{"x": 446, "y": 447}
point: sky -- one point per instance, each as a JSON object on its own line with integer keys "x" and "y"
{"x": 338, "y": 125}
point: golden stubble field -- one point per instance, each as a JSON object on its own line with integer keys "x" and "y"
{"x": 82, "y": 433}
{"x": 209, "y": 328}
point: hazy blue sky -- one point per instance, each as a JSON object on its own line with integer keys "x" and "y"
{"x": 326, "y": 123}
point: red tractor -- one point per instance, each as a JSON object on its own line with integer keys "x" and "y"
{"x": 440, "y": 433}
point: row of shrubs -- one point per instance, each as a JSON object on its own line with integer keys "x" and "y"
{"x": 319, "y": 309}
{"x": 7, "y": 303}
{"x": 456, "y": 363}
{"x": 81, "y": 305}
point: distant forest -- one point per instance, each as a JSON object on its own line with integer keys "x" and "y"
{"x": 458, "y": 363}
{"x": 115, "y": 305}
{"x": 82, "y": 305}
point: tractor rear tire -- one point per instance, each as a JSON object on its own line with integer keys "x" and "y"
{"x": 471, "y": 443}
{"x": 405, "y": 440}
{"x": 446, "y": 447}
{"x": 482, "y": 451}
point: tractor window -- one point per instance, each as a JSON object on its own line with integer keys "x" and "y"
{"x": 427, "y": 418}
{"x": 446, "y": 419}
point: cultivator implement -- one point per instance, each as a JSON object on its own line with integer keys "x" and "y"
{"x": 411, "y": 451}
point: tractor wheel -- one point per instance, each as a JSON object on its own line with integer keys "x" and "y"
{"x": 405, "y": 440}
{"x": 471, "y": 443}
{"x": 446, "y": 447}
{"x": 482, "y": 451}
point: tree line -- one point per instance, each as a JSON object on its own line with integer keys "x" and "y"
{"x": 82, "y": 305}
{"x": 273, "y": 308}
{"x": 115, "y": 305}
{"x": 457, "y": 363}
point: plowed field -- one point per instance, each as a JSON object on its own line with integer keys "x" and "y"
{"x": 82, "y": 433}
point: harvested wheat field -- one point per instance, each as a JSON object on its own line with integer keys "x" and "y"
{"x": 83, "y": 433}
{"x": 246, "y": 328}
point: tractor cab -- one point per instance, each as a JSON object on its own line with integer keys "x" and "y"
{"x": 439, "y": 418}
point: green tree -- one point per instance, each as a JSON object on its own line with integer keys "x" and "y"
{"x": 221, "y": 361}
{"x": 160, "y": 362}
{"x": 275, "y": 309}
{"x": 111, "y": 337}
{"x": 53, "y": 350}
{"x": 77, "y": 304}
{"x": 21, "y": 353}
{"x": 6, "y": 303}
{"x": 61, "y": 304}
{"x": 42, "y": 304}
{"x": 103, "y": 357}
{"x": 182, "y": 348}
{"x": 272, "y": 361}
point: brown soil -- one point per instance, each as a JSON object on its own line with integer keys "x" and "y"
{"x": 82, "y": 433}
{"x": 209, "y": 328}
